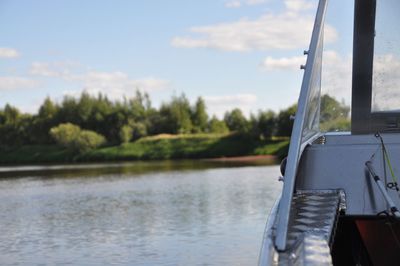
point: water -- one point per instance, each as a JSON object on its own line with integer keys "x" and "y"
{"x": 135, "y": 214}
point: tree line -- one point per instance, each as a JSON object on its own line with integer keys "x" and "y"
{"x": 129, "y": 119}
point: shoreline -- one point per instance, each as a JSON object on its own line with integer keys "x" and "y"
{"x": 132, "y": 167}
{"x": 245, "y": 158}
{"x": 88, "y": 164}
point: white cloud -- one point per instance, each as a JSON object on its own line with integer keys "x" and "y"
{"x": 218, "y": 105}
{"x": 118, "y": 84}
{"x": 115, "y": 84}
{"x": 256, "y": 2}
{"x": 8, "y": 53}
{"x": 284, "y": 63}
{"x": 233, "y": 4}
{"x": 61, "y": 69}
{"x": 330, "y": 59}
{"x": 299, "y": 5}
{"x": 288, "y": 30}
{"x": 239, "y": 3}
{"x": 13, "y": 83}
{"x": 232, "y": 99}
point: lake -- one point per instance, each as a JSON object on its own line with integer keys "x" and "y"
{"x": 154, "y": 213}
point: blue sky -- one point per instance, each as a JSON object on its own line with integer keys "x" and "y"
{"x": 233, "y": 53}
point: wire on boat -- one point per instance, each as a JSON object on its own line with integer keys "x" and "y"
{"x": 394, "y": 184}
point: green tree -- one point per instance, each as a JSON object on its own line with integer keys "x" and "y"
{"x": 17, "y": 132}
{"x": 266, "y": 123}
{"x": 101, "y": 108}
{"x": 15, "y": 127}
{"x": 236, "y": 121}
{"x": 68, "y": 111}
{"x": 115, "y": 121}
{"x": 139, "y": 130}
{"x": 217, "y": 126}
{"x": 139, "y": 106}
{"x": 334, "y": 116}
{"x": 254, "y": 129}
{"x": 11, "y": 114}
{"x": 84, "y": 109}
{"x": 284, "y": 123}
{"x": 48, "y": 110}
{"x": 200, "y": 116}
{"x": 176, "y": 116}
{"x": 43, "y": 122}
{"x": 156, "y": 122}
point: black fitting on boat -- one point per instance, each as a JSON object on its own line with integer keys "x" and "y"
{"x": 283, "y": 166}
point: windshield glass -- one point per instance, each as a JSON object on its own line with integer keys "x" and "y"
{"x": 336, "y": 77}
{"x": 386, "y": 70}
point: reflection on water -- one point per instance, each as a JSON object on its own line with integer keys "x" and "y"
{"x": 138, "y": 167}
{"x": 203, "y": 216}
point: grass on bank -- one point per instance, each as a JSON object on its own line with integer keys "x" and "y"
{"x": 158, "y": 147}
{"x": 35, "y": 154}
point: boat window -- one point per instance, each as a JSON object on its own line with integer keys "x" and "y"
{"x": 337, "y": 60}
{"x": 386, "y": 66}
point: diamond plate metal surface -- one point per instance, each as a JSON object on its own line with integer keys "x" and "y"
{"x": 311, "y": 250}
{"x": 312, "y": 226}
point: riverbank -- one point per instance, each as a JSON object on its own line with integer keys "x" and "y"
{"x": 161, "y": 147}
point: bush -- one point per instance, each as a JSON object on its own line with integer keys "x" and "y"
{"x": 65, "y": 134}
{"x": 72, "y": 137}
{"x": 88, "y": 140}
{"x": 125, "y": 134}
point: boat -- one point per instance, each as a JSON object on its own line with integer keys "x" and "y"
{"x": 340, "y": 199}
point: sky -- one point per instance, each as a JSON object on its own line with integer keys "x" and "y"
{"x": 233, "y": 53}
